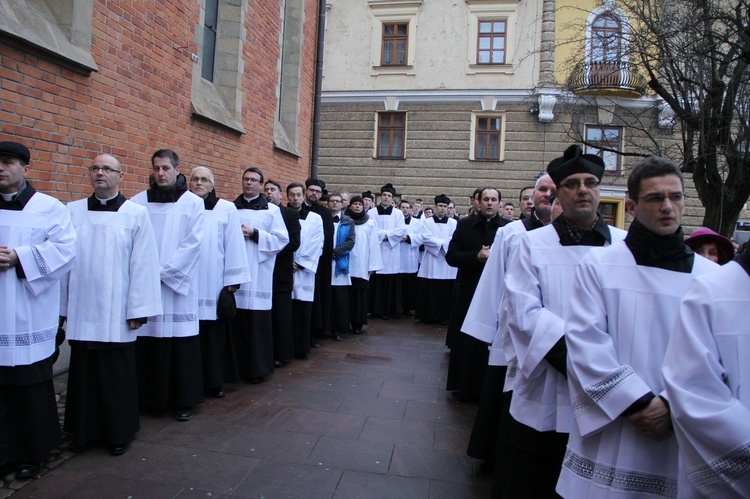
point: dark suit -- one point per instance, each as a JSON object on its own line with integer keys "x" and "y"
{"x": 469, "y": 356}
{"x": 322, "y": 300}
{"x": 283, "y": 282}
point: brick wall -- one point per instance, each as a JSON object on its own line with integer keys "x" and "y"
{"x": 139, "y": 100}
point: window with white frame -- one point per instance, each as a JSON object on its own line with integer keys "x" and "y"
{"x": 487, "y": 136}
{"x": 491, "y": 30}
{"x": 606, "y": 142}
{"x": 394, "y": 29}
{"x": 391, "y": 135}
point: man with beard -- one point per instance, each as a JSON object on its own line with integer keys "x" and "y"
{"x": 322, "y": 302}
{"x": 436, "y": 277}
{"x": 409, "y": 249}
{"x": 222, "y": 265}
{"x": 265, "y": 236}
{"x": 283, "y": 280}
{"x": 391, "y": 230}
{"x": 305, "y": 265}
{"x": 468, "y": 251}
{"x": 168, "y": 349}
{"x": 364, "y": 260}
{"x": 102, "y": 401}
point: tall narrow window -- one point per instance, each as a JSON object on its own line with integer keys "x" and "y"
{"x": 487, "y": 138}
{"x": 606, "y": 37}
{"x": 491, "y": 42}
{"x": 605, "y": 142}
{"x": 209, "y": 39}
{"x": 391, "y": 135}
{"x": 395, "y": 44}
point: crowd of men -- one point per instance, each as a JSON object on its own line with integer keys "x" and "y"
{"x": 605, "y": 363}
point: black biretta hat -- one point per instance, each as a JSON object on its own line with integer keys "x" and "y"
{"x": 574, "y": 161}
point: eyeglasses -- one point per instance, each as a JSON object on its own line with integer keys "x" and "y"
{"x": 104, "y": 169}
{"x": 253, "y": 180}
{"x": 658, "y": 199}
{"x": 335, "y": 200}
{"x": 317, "y": 191}
{"x": 205, "y": 180}
{"x": 574, "y": 185}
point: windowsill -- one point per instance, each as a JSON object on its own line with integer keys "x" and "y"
{"x": 282, "y": 142}
{"x": 206, "y": 104}
{"x": 481, "y": 160}
{"x": 489, "y": 69}
{"x": 393, "y": 70}
{"x": 389, "y": 158}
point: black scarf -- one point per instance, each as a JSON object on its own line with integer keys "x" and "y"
{"x": 570, "y": 235}
{"x": 110, "y": 205}
{"x": 359, "y": 218}
{"x": 259, "y": 203}
{"x": 407, "y": 220}
{"x": 171, "y": 195}
{"x": 211, "y": 200}
{"x": 531, "y": 222}
{"x": 18, "y": 202}
{"x": 384, "y": 211}
{"x": 663, "y": 252}
{"x": 743, "y": 258}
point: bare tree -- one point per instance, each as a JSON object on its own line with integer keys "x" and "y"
{"x": 694, "y": 54}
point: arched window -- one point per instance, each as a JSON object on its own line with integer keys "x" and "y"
{"x": 606, "y": 39}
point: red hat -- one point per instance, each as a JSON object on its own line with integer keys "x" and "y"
{"x": 703, "y": 235}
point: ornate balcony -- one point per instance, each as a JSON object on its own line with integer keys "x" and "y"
{"x": 607, "y": 78}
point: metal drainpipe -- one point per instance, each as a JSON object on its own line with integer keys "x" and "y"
{"x": 318, "y": 89}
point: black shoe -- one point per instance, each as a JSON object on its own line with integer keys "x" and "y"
{"x": 117, "y": 449}
{"x": 385, "y": 317}
{"x": 357, "y": 330}
{"x": 72, "y": 447}
{"x": 256, "y": 381}
{"x": 336, "y": 336}
{"x": 183, "y": 414}
{"x": 315, "y": 344}
{"x": 407, "y": 313}
{"x": 218, "y": 393}
{"x": 26, "y": 471}
{"x": 278, "y": 363}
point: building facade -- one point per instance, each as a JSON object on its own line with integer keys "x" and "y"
{"x": 226, "y": 84}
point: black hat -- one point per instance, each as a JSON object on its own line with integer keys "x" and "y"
{"x": 315, "y": 181}
{"x": 388, "y": 188}
{"x": 369, "y": 195}
{"x": 574, "y": 161}
{"x": 442, "y": 198}
{"x": 356, "y": 199}
{"x": 15, "y": 150}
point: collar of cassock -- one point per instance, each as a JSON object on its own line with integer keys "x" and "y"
{"x": 437, "y": 220}
{"x": 407, "y": 220}
{"x": 384, "y": 211}
{"x": 259, "y": 203}
{"x": 532, "y": 222}
{"x": 18, "y": 202}
{"x": 109, "y": 205}
{"x": 497, "y": 220}
{"x": 156, "y": 195}
{"x": 664, "y": 252}
{"x": 570, "y": 235}
{"x": 210, "y": 202}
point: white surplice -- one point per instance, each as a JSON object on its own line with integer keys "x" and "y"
{"x": 307, "y": 255}
{"x": 261, "y": 256}
{"x": 436, "y": 237}
{"x": 390, "y": 229}
{"x": 365, "y": 257}
{"x": 223, "y": 260}
{"x": 115, "y": 277}
{"x": 409, "y": 256}
{"x": 537, "y": 288}
{"x": 707, "y": 375}
{"x": 178, "y": 228}
{"x": 620, "y": 319}
{"x": 44, "y": 240}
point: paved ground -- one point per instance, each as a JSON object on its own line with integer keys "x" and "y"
{"x": 367, "y": 417}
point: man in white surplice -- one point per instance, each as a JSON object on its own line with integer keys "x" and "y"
{"x": 305, "y": 265}
{"x": 222, "y": 264}
{"x": 385, "y": 285}
{"x": 536, "y": 293}
{"x": 623, "y": 305}
{"x": 105, "y": 305}
{"x": 168, "y": 354}
{"x": 409, "y": 249}
{"x": 37, "y": 247}
{"x": 706, "y": 374}
{"x": 435, "y": 277}
{"x": 265, "y": 235}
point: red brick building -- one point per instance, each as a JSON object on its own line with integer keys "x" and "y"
{"x": 225, "y": 83}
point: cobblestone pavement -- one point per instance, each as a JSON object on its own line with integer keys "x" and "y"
{"x": 364, "y": 418}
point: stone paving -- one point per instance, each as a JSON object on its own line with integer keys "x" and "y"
{"x": 364, "y": 418}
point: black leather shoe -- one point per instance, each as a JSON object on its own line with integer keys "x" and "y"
{"x": 357, "y": 330}
{"x": 336, "y": 336}
{"x": 315, "y": 344}
{"x": 26, "y": 471}
{"x": 218, "y": 393}
{"x": 183, "y": 414}
{"x": 385, "y": 317}
{"x": 76, "y": 448}
{"x": 117, "y": 449}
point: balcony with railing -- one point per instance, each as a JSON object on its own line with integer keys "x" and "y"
{"x": 607, "y": 78}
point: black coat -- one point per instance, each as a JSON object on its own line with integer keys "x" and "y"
{"x": 283, "y": 271}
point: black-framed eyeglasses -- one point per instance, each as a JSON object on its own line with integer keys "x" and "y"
{"x": 574, "y": 185}
{"x": 658, "y": 199}
{"x": 105, "y": 169}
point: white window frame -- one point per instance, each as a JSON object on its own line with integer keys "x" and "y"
{"x": 501, "y": 146}
{"x": 376, "y": 143}
{"x": 478, "y": 10}
{"x": 390, "y": 12}
{"x": 625, "y": 26}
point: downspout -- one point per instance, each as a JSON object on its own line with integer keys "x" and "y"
{"x": 318, "y": 89}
